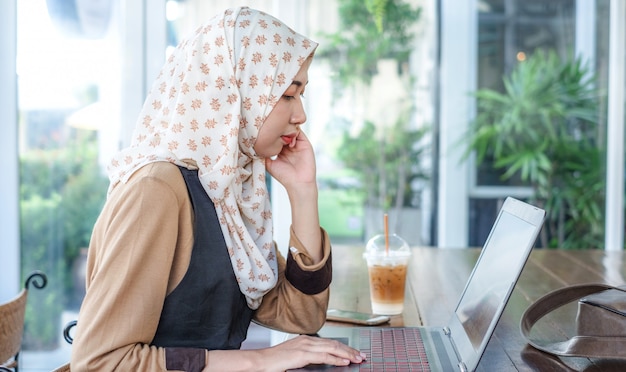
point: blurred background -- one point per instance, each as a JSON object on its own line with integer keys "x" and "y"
{"x": 432, "y": 111}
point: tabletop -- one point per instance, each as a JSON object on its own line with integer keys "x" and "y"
{"x": 437, "y": 276}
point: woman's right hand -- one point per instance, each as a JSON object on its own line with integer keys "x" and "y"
{"x": 304, "y": 350}
{"x": 294, "y": 353}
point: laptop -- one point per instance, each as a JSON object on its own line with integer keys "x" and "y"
{"x": 458, "y": 345}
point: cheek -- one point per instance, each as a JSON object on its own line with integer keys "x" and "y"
{"x": 280, "y": 112}
{"x": 264, "y": 145}
{"x": 270, "y": 130}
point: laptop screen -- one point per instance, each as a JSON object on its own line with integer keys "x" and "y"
{"x": 489, "y": 285}
{"x": 493, "y": 278}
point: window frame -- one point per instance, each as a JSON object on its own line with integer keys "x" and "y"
{"x": 9, "y": 187}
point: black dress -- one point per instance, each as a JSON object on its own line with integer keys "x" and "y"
{"x": 207, "y": 309}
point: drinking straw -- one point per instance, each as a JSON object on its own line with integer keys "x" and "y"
{"x": 386, "y": 222}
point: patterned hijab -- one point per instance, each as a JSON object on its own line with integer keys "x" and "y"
{"x": 208, "y": 104}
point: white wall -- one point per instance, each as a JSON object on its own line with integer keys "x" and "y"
{"x": 457, "y": 78}
{"x": 9, "y": 189}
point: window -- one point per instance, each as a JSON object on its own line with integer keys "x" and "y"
{"x": 68, "y": 66}
{"x": 508, "y": 32}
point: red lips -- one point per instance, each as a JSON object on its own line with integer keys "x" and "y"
{"x": 288, "y": 138}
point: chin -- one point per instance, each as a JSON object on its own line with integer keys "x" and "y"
{"x": 270, "y": 154}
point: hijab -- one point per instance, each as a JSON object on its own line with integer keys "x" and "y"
{"x": 207, "y": 105}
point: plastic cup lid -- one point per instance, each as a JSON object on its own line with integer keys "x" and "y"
{"x": 395, "y": 246}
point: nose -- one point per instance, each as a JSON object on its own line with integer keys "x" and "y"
{"x": 298, "y": 115}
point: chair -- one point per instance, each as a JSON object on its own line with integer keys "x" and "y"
{"x": 63, "y": 368}
{"x": 69, "y": 339}
{"x": 12, "y": 323}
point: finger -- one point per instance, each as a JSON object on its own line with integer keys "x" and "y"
{"x": 335, "y": 359}
{"x": 336, "y": 349}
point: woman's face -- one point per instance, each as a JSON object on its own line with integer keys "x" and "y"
{"x": 282, "y": 125}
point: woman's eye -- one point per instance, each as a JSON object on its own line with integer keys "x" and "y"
{"x": 292, "y": 97}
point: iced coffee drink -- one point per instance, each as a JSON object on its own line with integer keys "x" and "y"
{"x": 387, "y": 261}
{"x": 387, "y": 288}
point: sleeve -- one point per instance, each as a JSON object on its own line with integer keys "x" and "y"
{"x": 133, "y": 243}
{"x": 295, "y": 305}
{"x": 301, "y": 273}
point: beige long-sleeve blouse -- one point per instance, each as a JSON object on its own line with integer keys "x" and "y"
{"x": 139, "y": 252}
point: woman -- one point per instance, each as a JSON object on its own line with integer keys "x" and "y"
{"x": 182, "y": 256}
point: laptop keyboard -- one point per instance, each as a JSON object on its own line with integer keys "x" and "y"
{"x": 403, "y": 351}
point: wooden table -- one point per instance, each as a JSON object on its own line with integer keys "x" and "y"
{"x": 437, "y": 277}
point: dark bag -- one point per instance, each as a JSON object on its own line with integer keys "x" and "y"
{"x": 600, "y": 322}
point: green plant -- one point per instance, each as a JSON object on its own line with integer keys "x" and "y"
{"x": 369, "y": 31}
{"x": 544, "y": 129}
{"x": 341, "y": 202}
{"x": 42, "y": 249}
{"x": 386, "y": 163}
{"x": 62, "y": 192}
{"x": 82, "y": 197}
{"x": 71, "y": 173}
{"x": 386, "y": 159}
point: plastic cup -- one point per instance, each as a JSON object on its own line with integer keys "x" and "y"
{"x": 387, "y": 263}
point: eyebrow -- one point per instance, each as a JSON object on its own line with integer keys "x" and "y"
{"x": 298, "y": 83}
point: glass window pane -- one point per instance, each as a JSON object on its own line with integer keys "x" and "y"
{"x": 491, "y": 55}
{"x": 549, "y": 116}
{"x": 541, "y": 8}
{"x": 503, "y": 42}
{"x": 491, "y": 6}
{"x": 68, "y": 79}
{"x": 557, "y": 34}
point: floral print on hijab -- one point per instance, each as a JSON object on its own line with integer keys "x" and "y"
{"x": 208, "y": 104}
